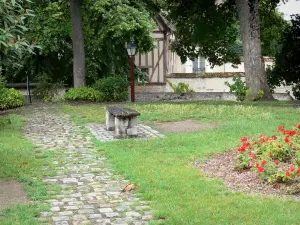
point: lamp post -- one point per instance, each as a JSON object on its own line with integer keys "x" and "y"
{"x": 131, "y": 49}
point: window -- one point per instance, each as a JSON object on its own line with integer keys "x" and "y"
{"x": 199, "y": 65}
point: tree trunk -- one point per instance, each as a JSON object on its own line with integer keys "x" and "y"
{"x": 78, "y": 44}
{"x": 254, "y": 64}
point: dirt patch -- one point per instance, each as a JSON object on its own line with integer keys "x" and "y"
{"x": 222, "y": 166}
{"x": 186, "y": 126}
{"x": 11, "y": 194}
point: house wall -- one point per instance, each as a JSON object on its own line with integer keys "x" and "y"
{"x": 154, "y": 62}
{"x": 200, "y": 85}
{"x": 227, "y": 67}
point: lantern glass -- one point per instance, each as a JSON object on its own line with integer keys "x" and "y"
{"x": 131, "y": 49}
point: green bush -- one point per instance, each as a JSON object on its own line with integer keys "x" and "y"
{"x": 48, "y": 91}
{"x": 10, "y": 98}
{"x": 84, "y": 94}
{"x": 113, "y": 88}
{"x": 296, "y": 91}
{"x": 180, "y": 87}
{"x": 238, "y": 87}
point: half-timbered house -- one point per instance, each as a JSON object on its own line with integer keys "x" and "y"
{"x": 159, "y": 62}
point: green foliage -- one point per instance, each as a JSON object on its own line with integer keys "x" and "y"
{"x": 10, "y": 98}
{"x": 212, "y": 31}
{"x": 107, "y": 26}
{"x": 204, "y": 29}
{"x": 259, "y": 95}
{"x": 84, "y": 94}
{"x": 46, "y": 90}
{"x": 13, "y": 43}
{"x": 272, "y": 25}
{"x": 238, "y": 87}
{"x": 114, "y": 88}
{"x": 296, "y": 91}
{"x": 180, "y": 87}
{"x": 140, "y": 76}
{"x": 287, "y": 62}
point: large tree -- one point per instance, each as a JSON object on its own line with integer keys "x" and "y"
{"x": 78, "y": 44}
{"x": 207, "y": 28}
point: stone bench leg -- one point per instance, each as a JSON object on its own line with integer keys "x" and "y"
{"x": 132, "y": 127}
{"x": 121, "y": 127}
{"x": 110, "y": 122}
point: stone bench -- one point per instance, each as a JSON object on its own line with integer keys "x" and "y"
{"x": 122, "y": 120}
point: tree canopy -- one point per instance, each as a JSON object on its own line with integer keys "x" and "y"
{"x": 107, "y": 26}
{"x": 211, "y": 29}
{"x": 13, "y": 18}
{"x": 287, "y": 61}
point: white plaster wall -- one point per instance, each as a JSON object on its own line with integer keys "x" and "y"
{"x": 214, "y": 84}
{"x": 227, "y": 67}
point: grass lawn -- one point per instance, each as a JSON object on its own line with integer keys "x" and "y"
{"x": 17, "y": 161}
{"x": 164, "y": 167}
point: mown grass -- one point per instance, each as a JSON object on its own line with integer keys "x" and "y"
{"x": 17, "y": 161}
{"x": 164, "y": 167}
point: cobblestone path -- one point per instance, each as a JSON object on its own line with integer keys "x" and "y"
{"x": 91, "y": 193}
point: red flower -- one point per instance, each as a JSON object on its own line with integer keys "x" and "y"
{"x": 279, "y": 146}
{"x": 261, "y": 169}
{"x": 257, "y": 165}
{"x": 281, "y": 129}
{"x": 276, "y": 162}
{"x": 253, "y": 156}
{"x": 298, "y": 148}
{"x": 288, "y": 174}
{"x": 264, "y": 162}
{"x": 244, "y": 139}
{"x": 287, "y": 140}
{"x": 290, "y": 132}
{"x": 291, "y": 144}
{"x": 274, "y": 137}
{"x": 292, "y": 168}
{"x": 270, "y": 154}
{"x": 298, "y": 126}
{"x": 298, "y": 171}
{"x": 242, "y": 149}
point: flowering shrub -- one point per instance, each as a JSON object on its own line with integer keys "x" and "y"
{"x": 275, "y": 158}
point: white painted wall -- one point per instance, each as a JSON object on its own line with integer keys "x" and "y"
{"x": 188, "y": 67}
{"x": 214, "y": 84}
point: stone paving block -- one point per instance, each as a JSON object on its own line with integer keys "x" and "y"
{"x": 61, "y": 223}
{"x": 65, "y": 213}
{"x": 110, "y": 215}
{"x": 86, "y": 211}
{"x": 55, "y": 209}
{"x": 94, "y": 216}
{"x": 71, "y": 207}
{"x": 105, "y": 210}
{"x": 79, "y": 217}
{"x": 132, "y": 214}
{"x": 46, "y": 214}
{"x": 60, "y": 218}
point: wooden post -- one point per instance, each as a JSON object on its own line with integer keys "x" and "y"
{"x": 131, "y": 58}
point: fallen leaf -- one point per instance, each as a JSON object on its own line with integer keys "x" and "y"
{"x": 130, "y": 187}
